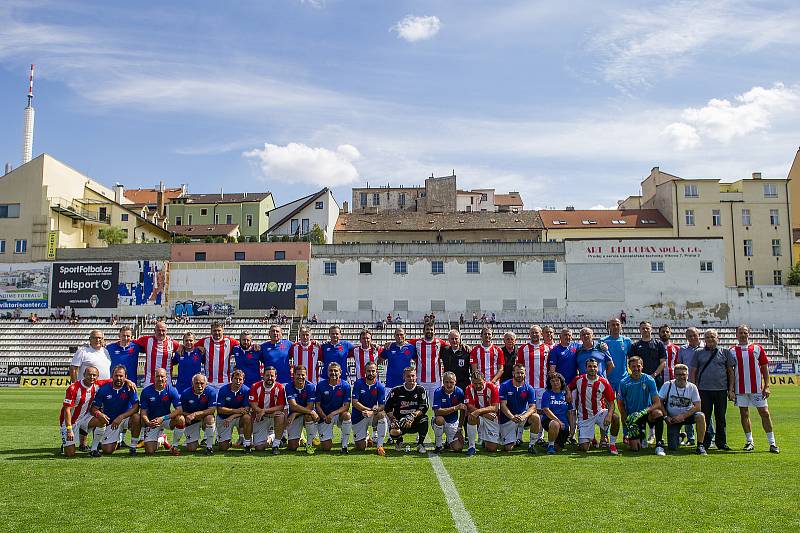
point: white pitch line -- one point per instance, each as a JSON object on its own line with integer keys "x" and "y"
{"x": 460, "y": 515}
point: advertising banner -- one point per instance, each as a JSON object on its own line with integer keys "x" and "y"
{"x": 267, "y": 286}
{"x": 142, "y": 283}
{"x": 9, "y": 381}
{"x": 85, "y": 285}
{"x": 24, "y": 285}
{"x": 45, "y": 381}
{"x": 39, "y": 369}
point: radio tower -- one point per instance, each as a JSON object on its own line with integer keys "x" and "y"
{"x": 27, "y": 136}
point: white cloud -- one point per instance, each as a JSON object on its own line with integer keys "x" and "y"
{"x": 318, "y": 4}
{"x": 299, "y": 163}
{"x": 413, "y": 28}
{"x": 603, "y": 207}
{"x": 682, "y": 135}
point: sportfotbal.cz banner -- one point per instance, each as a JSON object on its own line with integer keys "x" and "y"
{"x": 84, "y": 285}
{"x": 267, "y": 286}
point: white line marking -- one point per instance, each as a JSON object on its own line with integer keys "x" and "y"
{"x": 457, "y": 510}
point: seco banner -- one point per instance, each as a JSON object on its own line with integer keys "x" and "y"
{"x": 84, "y": 285}
{"x": 266, "y": 286}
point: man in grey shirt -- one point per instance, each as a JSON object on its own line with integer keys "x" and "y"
{"x": 712, "y": 372}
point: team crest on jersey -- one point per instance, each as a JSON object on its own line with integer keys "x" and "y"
{"x": 195, "y": 358}
{"x": 523, "y": 395}
{"x": 108, "y": 397}
{"x": 340, "y": 348}
{"x": 374, "y": 392}
{"x": 460, "y": 362}
{"x": 406, "y": 350}
{"x": 123, "y": 396}
{"x": 644, "y": 386}
{"x": 203, "y": 400}
{"x": 165, "y": 398}
{"x": 239, "y": 397}
{"x": 249, "y": 356}
{"x": 339, "y": 392}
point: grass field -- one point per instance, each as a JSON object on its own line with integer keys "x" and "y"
{"x": 734, "y": 491}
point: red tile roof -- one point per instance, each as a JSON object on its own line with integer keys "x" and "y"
{"x": 603, "y": 218}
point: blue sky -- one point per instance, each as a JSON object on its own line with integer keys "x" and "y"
{"x": 568, "y": 103}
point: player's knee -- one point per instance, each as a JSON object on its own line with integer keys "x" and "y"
{"x": 472, "y": 420}
{"x": 552, "y": 426}
{"x": 345, "y": 416}
{"x": 209, "y": 421}
{"x": 381, "y": 416}
{"x": 246, "y": 418}
{"x": 361, "y": 445}
{"x": 439, "y": 420}
{"x": 308, "y": 418}
{"x": 69, "y": 451}
{"x": 395, "y": 432}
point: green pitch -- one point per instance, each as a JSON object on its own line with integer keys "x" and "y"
{"x": 41, "y": 491}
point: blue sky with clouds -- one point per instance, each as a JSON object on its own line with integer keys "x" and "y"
{"x": 569, "y": 103}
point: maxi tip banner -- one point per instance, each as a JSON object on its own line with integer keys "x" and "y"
{"x": 267, "y": 286}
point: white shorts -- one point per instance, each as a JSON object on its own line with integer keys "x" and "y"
{"x": 430, "y": 388}
{"x": 153, "y": 434}
{"x": 539, "y": 394}
{"x": 751, "y": 399}
{"x": 489, "y": 430}
{"x": 361, "y": 428}
{"x": 82, "y": 424}
{"x": 192, "y": 431}
{"x": 451, "y": 430}
{"x": 326, "y": 430}
{"x": 586, "y": 427}
{"x": 262, "y": 430}
{"x": 295, "y": 429}
{"x": 226, "y": 433}
{"x": 112, "y": 435}
{"x": 508, "y": 432}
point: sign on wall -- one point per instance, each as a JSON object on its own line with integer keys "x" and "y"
{"x": 85, "y": 285}
{"x": 24, "y": 285}
{"x": 52, "y": 244}
{"x": 267, "y": 286}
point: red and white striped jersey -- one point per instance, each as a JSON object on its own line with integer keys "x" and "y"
{"x": 79, "y": 397}
{"x": 672, "y": 360}
{"x": 534, "y": 359}
{"x": 266, "y": 398}
{"x": 309, "y": 357}
{"x": 156, "y": 355}
{"x": 362, "y": 356}
{"x": 488, "y": 360}
{"x": 482, "y": 398}
{"x": 428, "y": 359}
{"x": 217, "y": 353}
{"x": 592, "y": 396}
{"x": 748, "y": 367}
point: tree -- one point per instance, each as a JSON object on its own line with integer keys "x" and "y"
{"x": 794, "y": 275}
{"x": 285, "y": 238}
{"x": 209, "y": 238}
{"x": 264, "y": 238}
{"x": 219, "y": 239}
{"x": 113, "y": 235}
{"x": 316, "y": 236}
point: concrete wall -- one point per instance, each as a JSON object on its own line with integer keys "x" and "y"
{"x": 254, "y": 251}
{"x": 764, "y": 306}
{"x": 325, "y": 217}
{"x": 395, "y": 236}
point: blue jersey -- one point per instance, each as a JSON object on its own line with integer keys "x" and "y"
{"x": 332, "y": 397}
{"x": 565, "y": 360}
{"x": 127, "y": 356}
{"x": 443, "y": 400}
{"x": 397, "y": 359}
{"x": 192, "y": 403}
{"x": 277, "y": 355}
{"x": 557, "y": 403}
{"x": 335, "y": 353}
{"x": 114, "y": 402}
{"x": 302, "y": 396}
{"x": 637, "y": 394}
{"x": 232, "y": 400}
{"x": 248, "y": 361}
{"x": 368, "y": 396}
{"x": 602, "y": 359}
{"x": 157, "y": 403}
{"x": 620, "y": 349}
{"x": 189, "y": 364}
{"x": 518, "y": 399}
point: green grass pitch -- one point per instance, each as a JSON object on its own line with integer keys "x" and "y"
{"x": 735, "y": 491}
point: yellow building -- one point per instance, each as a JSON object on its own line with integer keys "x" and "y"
{"x": 794, "y": 201}
{"x": 45, "y": 200}
{"x": 603, "y": 224}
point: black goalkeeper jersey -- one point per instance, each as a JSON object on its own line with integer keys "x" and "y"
{"x": 402, "y": 402}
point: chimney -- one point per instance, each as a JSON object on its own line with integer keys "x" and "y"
{"x": 9, "y": 168}
{"x": 221, "y": 193}
{"x": 119, "y": 193}
{"x": 27, "y": 134}
{"x": 756, "y": 175}
{"x": 345, "y": 207}
{"x": 184, "y": 188}
{"x": 570, "y": 208}
{"x": 161, "y": 208}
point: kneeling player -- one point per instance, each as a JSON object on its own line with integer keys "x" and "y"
{"x": 333, "y": 407}
{"x": 198, "y": 406}
{"x": 518, "y": 410}
{"x": 268, "y": 403}
{"x": 157, "y": 415}
{"x": 483, "y": 404}
{"x": 369, "y": 396}
{"x": 594, "y": 398}
{"x": 115, "y": 408}
{"x": 406, "y": 407}
{"x": 557, "y": 413}
{"x": 233, "y": 409}
{"x": 448, "y": 402}
{"x": 75, "y": 415}
{"x": 300, "y": 395}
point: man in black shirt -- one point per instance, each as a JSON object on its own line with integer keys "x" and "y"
{"x": 652, "y": 351}
{"x": 406, "y": 408}
{"x": 509, "y": 355}
{"x": 455, "y": 359}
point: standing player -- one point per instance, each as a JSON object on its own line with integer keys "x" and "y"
{"x": 652, "y": 352}
{"x": 301, "y": 396}
{"x": 619, "y": 348}
{"x": 198, "y": 404}
{"x": 517, "y": 410}
{"x": 639, "y": 406}
{"x": 549, "y": 336}
{"x": 364, "y": 353}
{"x": 336, "y": 351}
{"x": 333, "y": 406}
{"x": 233, "y": 409}
{"x": 115, "y": 407}
{"x": 268, "y": 404}
{"x": 681, "y": 401}
{"x": 594, "y": 399}
{"x": 752, "y": 386}
{"x": 189, "y": 360}
{"x": 306, "y": 353}
{"x": 75, "y": 415}
{"x": 94, "y": 354}
{"x": 533, "y": 356}
{"x": 428, "y": 349}
{"x": 398, "y": 356}
{"x": 487, "y": 358}
{"x": 369, "y": 398}
{"x": 217, "y": 348}
{"x": 275, "y": 353}
{"x": 588, "y": 350}
{"x": 247, "y": 358}
{"x": 668, "y": 373}
{"x": 125, "y": 352}
{"x": 158, "y": 349}
{"x": 562, "y": 359}
{"x": 509, "y": 349}
{"x": 557, "y": 414}
{"x": 455, "y": 358}
{"x": 406, "y": 408}
{"x": 448, "y": 402}
{"x": 483, "y": 404}
{"x": 157, "y": 416}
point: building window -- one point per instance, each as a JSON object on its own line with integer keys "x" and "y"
{"x": 376, "y": 198}
{"x": 363, "y": 199}
{"x": 770, "y": 190}
{"x": 249, "y": 219}
{"x": 777, "y": 277}
{"x": 455, "y": 241}
{"x": 420, "y": 242}
{"x": 190, "y": 219}
{"x": 473, "y": 267}
{"x": 509, "y": 267}
{"x": 437, "y": 267}
{"x": 9, "y": 210}
{"x": 238, "y": 256}
{"x": 469, "y": 208}
{"x": 774, "y": 219}
{"x": 178, "y": 221}
{"x": 203, "y": 212}
{"x": 123, "y": 217}
{"x": 745, "y": 217}
{"x": 319, "y": 205}
{"x": 365, "y": 305}
{"x": 400, "y": 267}
{"x": 656, "y": 266}
{"x": 748, "y": 278}
{"x": 748, "y": 248}
{"x": 20, "y": 246}
{"x": 294, "y": 226}
{"x": 216, "y": 218}
{"x": 2, "y": 246}
{"x": 689, "y": 217}
{"x": 491, "y": 241}
{"x": 716, "y": 217}
{"x": 484, "y": 197}
{"x": 549, "y": 265}
{"x": 229, "y": 219}
{"x": 280, "y": 255}
{"x": 706, "y": 266}
{"x": 330, "y": 268}
{"x": 401, "y": 200}
{"x": 400, "y": 305}
{"x": 776, "y": 247}
{"x": 690, "y": 191}
{"x": 125, "y": 230}
{"x": 199, "y": 256}
{"x": 305, "y": 226}
{"x": 330, "y": 305}
{"x": 365, "y": 267}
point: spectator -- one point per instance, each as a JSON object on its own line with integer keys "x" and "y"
{"x": 73, "y": 318}
{"x": 398, "y": 319}
{"x": 623, "y": 317}
{"x": 474, "y": 317}
{"x": 461, "y": 319}
{"x": 493, "y": 319}
{"x": 389, "y": 318}
{"x": 314, "y": 319}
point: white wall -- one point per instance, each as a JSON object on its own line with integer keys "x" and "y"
{"x": 765, "y": 306}
{"x": 325, "y": 218}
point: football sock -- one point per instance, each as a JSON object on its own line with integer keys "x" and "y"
{"x": 437, "y": 432}
{"x": 276, "y": 443}
{"x": 660, "y": 431}
{"x": 472, "y": 434}
{"x": 613, "y": 439}
{"x": 96, "y": 438}
{"x": 311, "y": 430}
{"x": 551, "y": 442}
{"x": 347, "y": 427}
{"x": 134, "y": 441}
{"x": 382, "y": 426}
{"x": 771, "y": 438}
{"x": 177, "y": 434}
{"x": 211, "y": 433}
{"x": 748, "y": 437}
{"x": 246, "y": 442}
